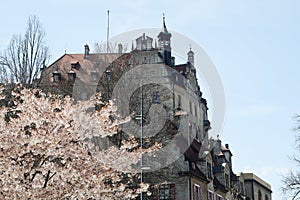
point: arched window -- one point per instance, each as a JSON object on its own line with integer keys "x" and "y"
{"x": 266, "y": 197}
{"x": 259, "y": 195}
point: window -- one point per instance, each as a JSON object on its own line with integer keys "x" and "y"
{"x": 191, "y": 110}
{"x": 259, "y": 195}
{"x": 108, "y": 75}
{"x": 193, "y": 165}
{"x": 219, "y": 197}
{"x": 196, "y": 111}
{"x": 179, "y": 101}
{"x": 167, "y": 192}
{"x": 145, "y": 58}
{"x": 71, "y": 76}
{"x": 210, "y": 195}
{"x": 156, "y": 97}
{"x": 197, "y": 192}
{"x": 73, "y": 65}
{"x": 227, "y": 181}
{"x": 197, "y": 133}
{"x": 56, "y": 76}
{"x": 208, "y": 166}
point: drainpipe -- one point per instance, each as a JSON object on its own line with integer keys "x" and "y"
{"x": 190, "y": 188}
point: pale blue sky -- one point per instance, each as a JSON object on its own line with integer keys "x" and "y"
{"x": 253, "y": 44}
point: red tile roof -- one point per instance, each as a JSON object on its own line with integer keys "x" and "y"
{"x": 94, "y": 62}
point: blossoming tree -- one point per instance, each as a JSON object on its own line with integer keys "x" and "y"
{"x": 48, "y": 150}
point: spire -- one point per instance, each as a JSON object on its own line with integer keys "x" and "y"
{"x": 190, "y": 51}
{"x": 164, "y": 37}
{"x": 164, "y": 29}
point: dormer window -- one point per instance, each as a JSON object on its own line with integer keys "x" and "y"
{"x": 144, "y": 43}
{"x": 56, "y": 76}
{"x": 71, "y": 76}
{"x": 108, "y": 75}
{"x": 75, "y": 66}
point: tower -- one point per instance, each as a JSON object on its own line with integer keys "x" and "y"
{"x": 164, "y": 44}
{"x": 164, "y": 38}
{"x": 191, "y": 56}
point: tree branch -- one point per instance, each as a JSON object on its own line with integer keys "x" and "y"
{"x": 48, "y": 177}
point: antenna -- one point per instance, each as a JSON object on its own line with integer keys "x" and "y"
{"x": 66, "y": 44}
{"x": 107, "y": 36}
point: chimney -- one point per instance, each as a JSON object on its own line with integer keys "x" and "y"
{"x": 227, "y": 146}
{"x": 86, "y": 51}
{"x": 120, "y": 48}
{"x": 217, "y": 145}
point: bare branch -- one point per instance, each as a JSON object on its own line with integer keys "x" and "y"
{"x": 48, "y": 177}
{"x": 291, "y": 182}
{"x": 26, "y": 55}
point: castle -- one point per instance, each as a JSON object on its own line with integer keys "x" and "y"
{"x": 192, "y": 165}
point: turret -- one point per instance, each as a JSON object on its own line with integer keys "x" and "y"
{"x": 191, "y": 56}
